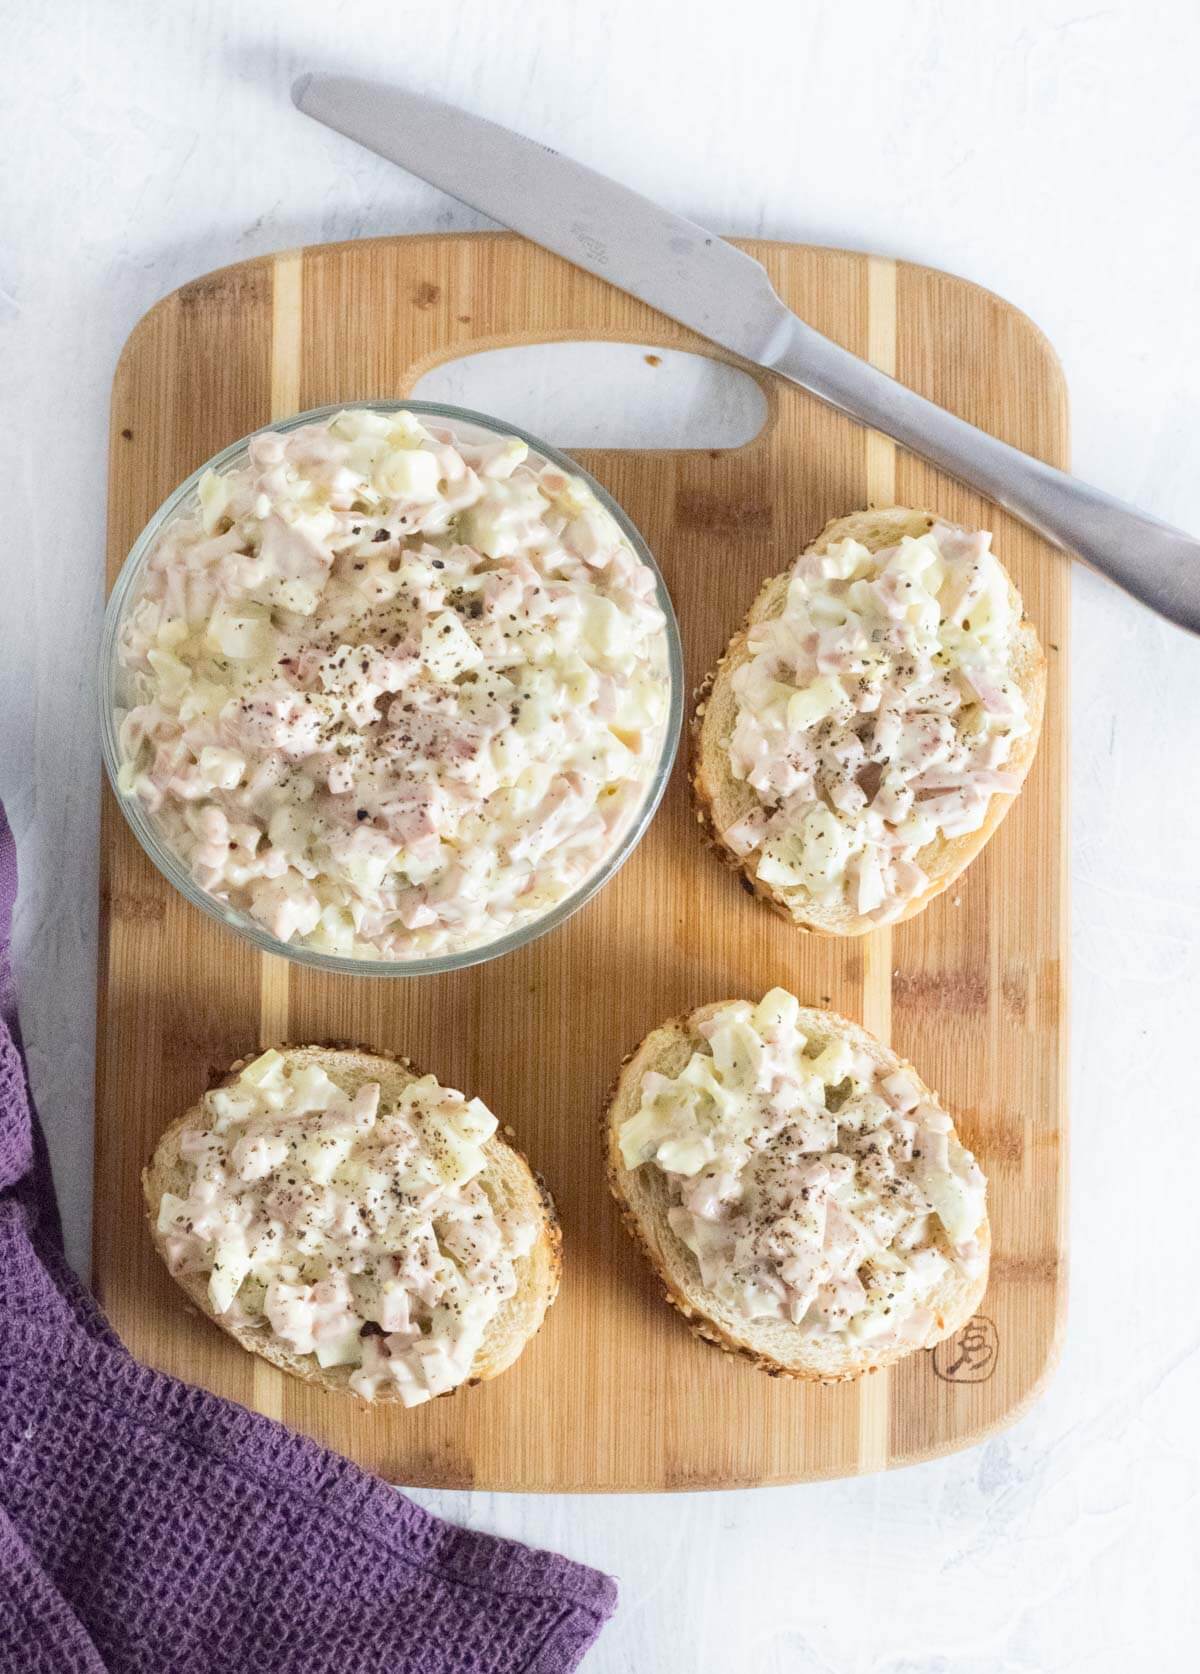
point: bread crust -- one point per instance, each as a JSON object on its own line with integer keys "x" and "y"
{"x": 721, "y": 800}
{"x": 508, "y": 1181}
{"x": 775, "y": 1347}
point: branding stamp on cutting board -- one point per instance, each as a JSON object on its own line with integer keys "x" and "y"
{"x": 970, "y": 1355}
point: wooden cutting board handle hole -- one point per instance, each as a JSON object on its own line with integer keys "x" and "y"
{"x": 602, "y": 394}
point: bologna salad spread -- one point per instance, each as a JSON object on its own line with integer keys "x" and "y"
{"x": 354, "y": 1228}
{"x": 395, "y": 692}
{"x": 876, "y": 714}
{"x": 812, "y": 1185}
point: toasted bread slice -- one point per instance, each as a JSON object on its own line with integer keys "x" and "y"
{"x": 508, "y": 1180}
{"x": 721, "y": 800}
{"x": 775, "y": 1346}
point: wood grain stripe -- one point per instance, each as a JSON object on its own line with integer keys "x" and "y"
{"x": 881, "y": 491}
{"x": 274, "y": 996}
{"x": 881, "y": 352}
{"x": 287, "y": 273}
{"x": 274, "y": 982}
{"x": 874, "y": 1402}
{"x": 874, "y": 1421}
{"x": 285, "y": 333}
{"x": 286, "y": 310}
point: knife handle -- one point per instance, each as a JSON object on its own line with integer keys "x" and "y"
{"x": 1155, "y": 563}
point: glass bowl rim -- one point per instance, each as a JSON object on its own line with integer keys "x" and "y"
{"x": 178, "y": 874}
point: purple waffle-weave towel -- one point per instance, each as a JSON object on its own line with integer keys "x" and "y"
{"x": 148, "y": 1526}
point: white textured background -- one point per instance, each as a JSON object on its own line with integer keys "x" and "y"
{"x": 1050, "y": 151}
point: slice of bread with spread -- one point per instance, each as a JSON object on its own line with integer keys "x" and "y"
{"x": 355, "y": 1224}
{"x": 863, "y": 810}
{"x": 797, "y": 1189}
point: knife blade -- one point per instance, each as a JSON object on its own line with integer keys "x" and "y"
{"x": 695, "y": 277}
{"x": 663, "y": 259}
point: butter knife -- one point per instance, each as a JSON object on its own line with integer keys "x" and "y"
{"x": 725, "y": 295}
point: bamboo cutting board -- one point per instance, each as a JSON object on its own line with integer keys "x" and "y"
{"x": 615, "y": 1393}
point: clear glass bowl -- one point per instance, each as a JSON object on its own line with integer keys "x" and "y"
{"x": 114, "y": 700}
